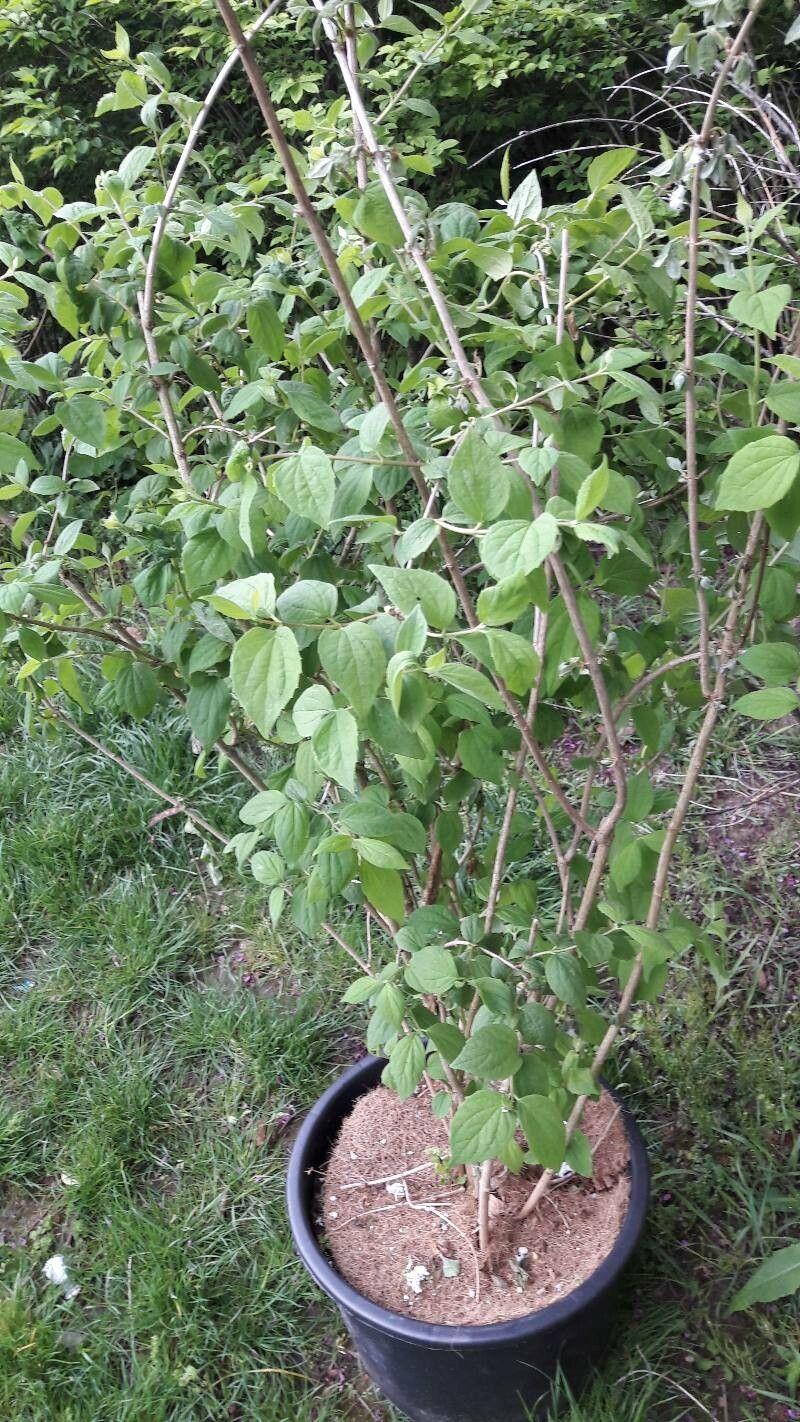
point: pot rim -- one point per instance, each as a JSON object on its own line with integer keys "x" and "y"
{"x": 305, "y": 1156}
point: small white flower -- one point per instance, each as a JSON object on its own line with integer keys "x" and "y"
{"x": 677, "y": 198}
{"x": 396, "y": 1188}
{"x": 55, "y": 1272}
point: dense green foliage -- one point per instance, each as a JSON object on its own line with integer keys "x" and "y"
{"x": 508, "y": 67}
{"x": 370, "y": 580}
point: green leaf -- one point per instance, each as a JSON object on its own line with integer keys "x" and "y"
{"x": 12, "y": 451}
{"x": 432, "y": 970}
{"x": 265, "y": 671}
{"x": 497, "y": 995}
{"x": 68, "y": 677}
{"x": 384, "y": 856}
{"x": 413, "y": 633}
{"x": 207, "y": 706}
{"x": 478, "y": 480}
{"x": 290, "y": 828}
{"x": 480, "y": 749}
{"x": 373, "y": 216}
{"x": 446, "y": 1038}
{"x": 760, "y": 309}
{"x": 266, "y": 328}
{"x": 199, "y": 370}
{"x": 261, "y": 808}
{"x": 361, "y": 990}
{"x": 537, "y": 1024}
{"x": 134, "y": 164}
{"x": 565, "y": 979}
{"x": 387, "y": 731}
{"x": 625, "y": 860}
{"x": 208, "y": 651}
{"x": 471, "y": 681}
{"x": 592, "y": 491}
{"x": 579, "y": 1155}
{"x": 784, "y": 517}
{"x": 309, "y": 407}
{"x": 773, "y": 662}
{"x": 415, "y": 540}
{"x": 136, "y": 689}
{"x": 310, "y": 709}
{"x": 608, "y": 166}
{"x": 525, "y": 203}
{"x": 784, "y": 400}
{"x": 481, "y": 1128}
{"x": 247, "y": 598}
{"x": 759, "y": 474}
{"x": 335, "y": 743}
{"x": 374, "y": 821}
{"x": 275, "y": 903}
{"x": 85, "y": 419}
{"x": 406, "y": 1064}
{"x": 205, "y": 558}
{"x": 63, "y": 308}
{"x": 516, "y": 546}
{"x": 514, "y": 660}
{"x": 268, "y": 869}
{"x": 505, "y": 175}
{"x": 353, "y": 658}
{"x": 33, "y": 644}
{"x": 68, "y": 537}
{"x": 769, "y": 704}
{"x": 776, "y": 1278}
{"x": 491, "y": 1053}
{"x": 386, "y": 1018}
{"x": 543, "y": 1128}
{"x": 384, "y": 890}
{"x": 306, "y": 484}
{"x": 506, "y": 601}
{"x": 495, "y": 261}
{"x": 538, "y": 463}
{"x": 307, "y": 602}
{"x": 405, "y": 587}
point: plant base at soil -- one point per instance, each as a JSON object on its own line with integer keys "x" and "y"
{"x": 407, "y": 1242}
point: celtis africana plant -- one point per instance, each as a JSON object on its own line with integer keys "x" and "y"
{"x": 443, "y": 527}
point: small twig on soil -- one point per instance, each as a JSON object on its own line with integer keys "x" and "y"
{"x": 609, "y": 1124}
{"x": 387, "y": 1179}
{"x": 548, "y": 1199}
{"x": 748, "y": 804}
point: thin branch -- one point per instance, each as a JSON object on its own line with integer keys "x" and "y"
{"x": 728, "y": 653}
{"x": 146, "y": 298}
{"x": 182, "y": 164}
{"x": 484, "y": 1193}
{"x": 174, "y": 800}
{"x": 345, "y": 946}
{"x": 351, "y": 40}
{"x": 700, "y": 145}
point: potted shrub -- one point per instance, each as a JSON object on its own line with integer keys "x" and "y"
{"x": 443, "y": 527}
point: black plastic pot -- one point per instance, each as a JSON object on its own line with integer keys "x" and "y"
{"x": 502, "y": 1372}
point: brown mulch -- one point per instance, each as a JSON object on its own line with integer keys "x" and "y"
{"x": 388, "y": 1250}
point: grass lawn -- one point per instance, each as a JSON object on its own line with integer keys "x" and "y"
{"x": 156, "y": 1040}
